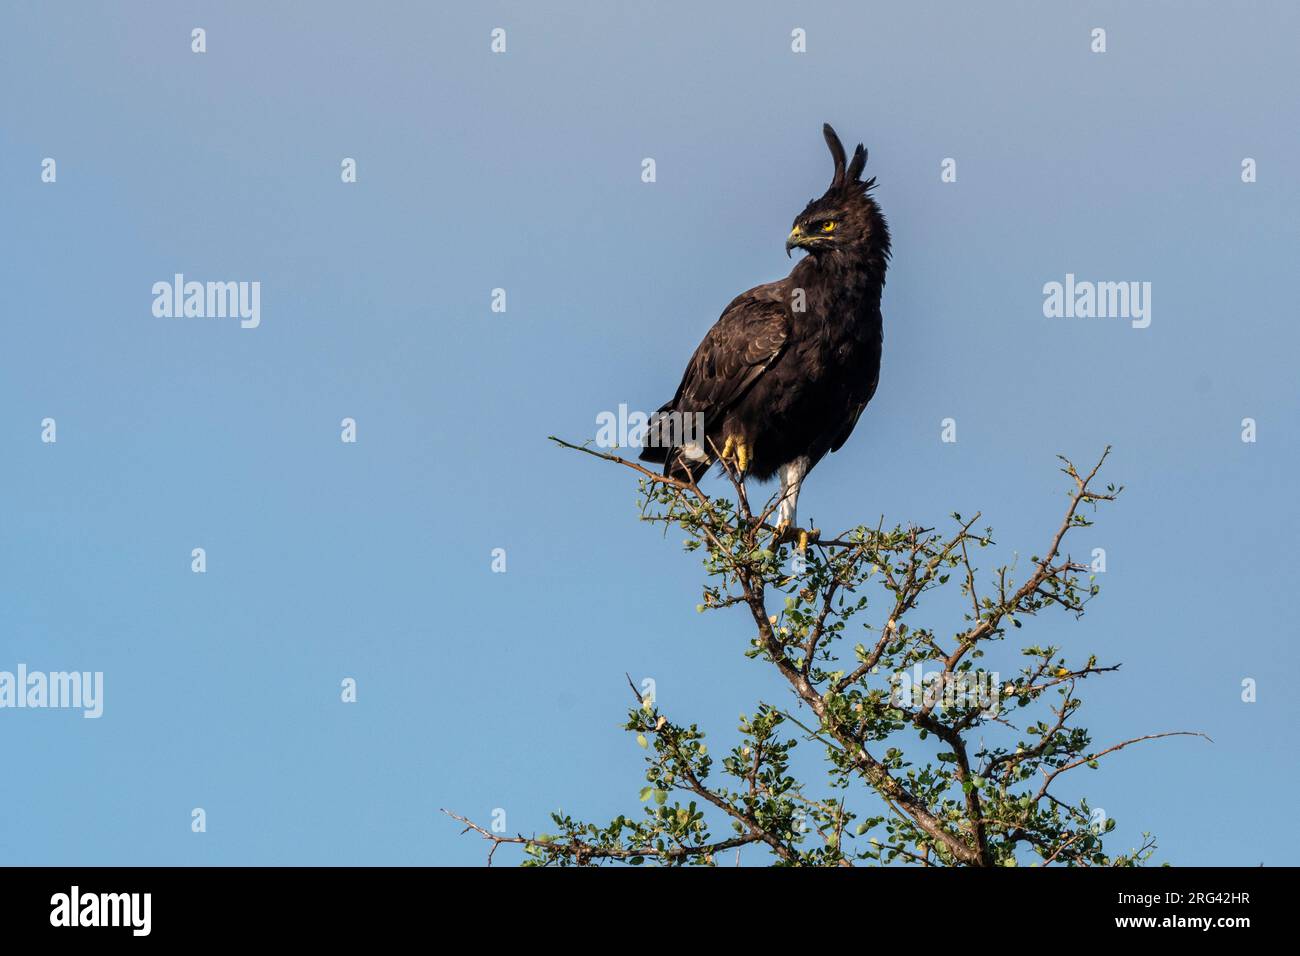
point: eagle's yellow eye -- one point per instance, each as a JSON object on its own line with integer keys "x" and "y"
{"x": 828, "y": 225}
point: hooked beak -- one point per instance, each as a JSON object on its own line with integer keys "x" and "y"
{"x": 796, "y": 238}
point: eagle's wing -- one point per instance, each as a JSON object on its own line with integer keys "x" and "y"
{"x": 851, "y": 422}
{"x": 741, "y": 345}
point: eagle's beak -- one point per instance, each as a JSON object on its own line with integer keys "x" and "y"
{"x": 795, "y": 238}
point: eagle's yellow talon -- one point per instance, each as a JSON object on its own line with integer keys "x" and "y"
{"x": 742, "y": 453}
{"x": 799, "y": 535}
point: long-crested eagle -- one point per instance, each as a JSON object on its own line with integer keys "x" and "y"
{"x": 784, "y": 374}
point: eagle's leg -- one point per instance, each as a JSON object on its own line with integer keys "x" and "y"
{"x": 787, "y": 515}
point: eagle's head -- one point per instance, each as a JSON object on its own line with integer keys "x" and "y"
{"x": 845, "y": 221}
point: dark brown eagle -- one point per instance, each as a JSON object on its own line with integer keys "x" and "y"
{"x": 783, "y": 375}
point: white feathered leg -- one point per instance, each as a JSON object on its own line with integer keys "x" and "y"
{"x": 792, "y": 475}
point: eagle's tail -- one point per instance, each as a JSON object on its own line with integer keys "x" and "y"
{"x": 676, "y": 465}
{"x": 663, "y": 444}
{"x": 654, "y": 453}
{"x": 659, "y": 441}
{"x": 684, "y": 469}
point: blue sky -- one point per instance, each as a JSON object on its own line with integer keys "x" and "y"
{"x": 522, "y": 171}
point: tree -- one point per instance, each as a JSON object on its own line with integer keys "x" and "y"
{"x": 955, "y": 768}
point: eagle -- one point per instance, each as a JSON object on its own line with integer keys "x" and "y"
{"x": 783, "y": 376}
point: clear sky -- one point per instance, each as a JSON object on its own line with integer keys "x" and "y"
{"x": 522, "y": 171}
